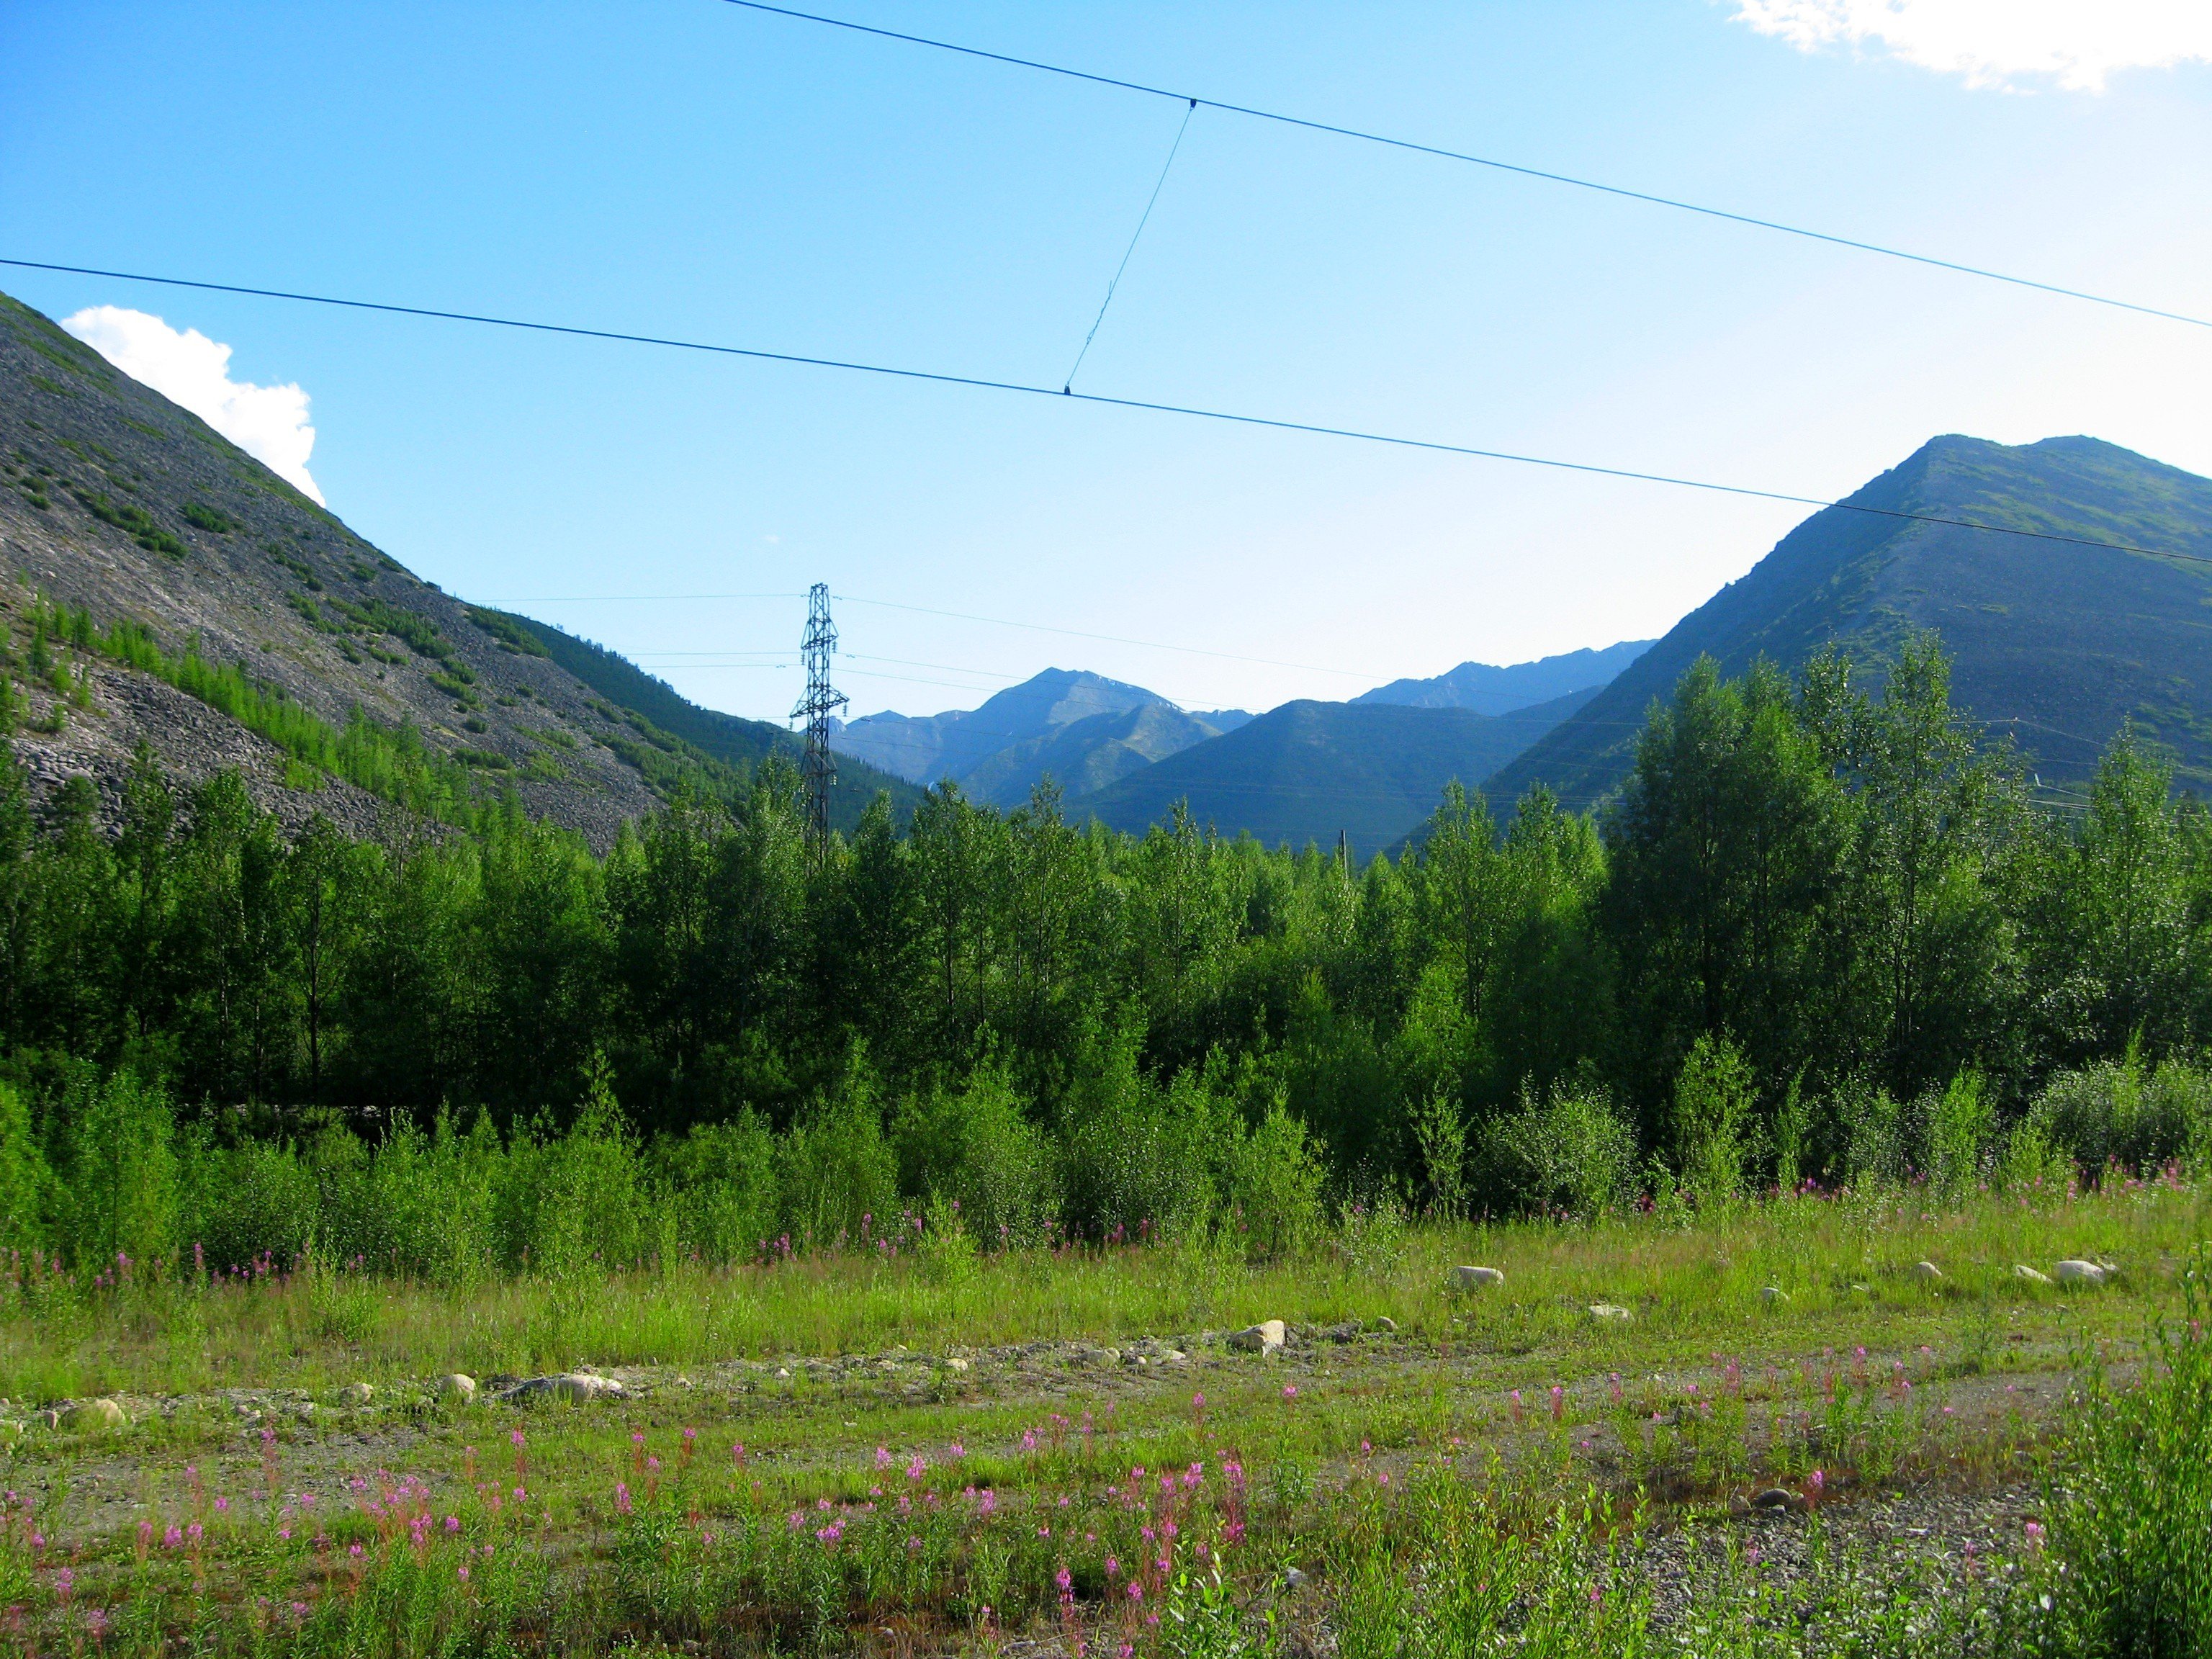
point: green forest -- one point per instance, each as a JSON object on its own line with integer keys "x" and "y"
{"x": 1823, "y": 936}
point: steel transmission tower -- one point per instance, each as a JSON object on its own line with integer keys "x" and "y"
{"x": 818, "y": 769}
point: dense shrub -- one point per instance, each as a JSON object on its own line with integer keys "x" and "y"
{"x": 975, "y": 1148}
{"x": 2118, "y": 1112}
{"x": 2128, "y": 1520}
{"x": 721, "y": 1181}
{"x": 836, "y": 1171}
{"x": 122, "y": 1195}
{"x": 24, "y": 1183}
{"x": 1711, "y": 1118}
{"x": 1566, "y": 1152}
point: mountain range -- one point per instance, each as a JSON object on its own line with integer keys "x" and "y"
{"x": 1082, "y": 729}
{"x": 1369, "y": 770}
{"x": 212, "y": 615}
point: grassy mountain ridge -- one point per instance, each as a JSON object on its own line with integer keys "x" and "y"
{"x": 1307, "y": 770}
{"x": 2052, "y": 644}
{"x": 163, "y": 586}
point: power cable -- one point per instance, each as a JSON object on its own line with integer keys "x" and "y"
{"x": 1143, "y": 219}
{"x": 1227, "y": 416}
{"x": 1477, "y": 160}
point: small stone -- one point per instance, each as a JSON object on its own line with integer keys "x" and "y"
{"x": 2076, "y": 1271}
{"x": 355, "y": 1395}
{"x": 457, "y": 1388}
{"x": 1383, "y": 1325}
{"x": 1347, "y": 1331}
{"x": 1464, "y": 1280}
{"x": 1293, "y": 1579}
{"x": 955, "y": 1363}
{"x": 1926, "y": 1270}
{"x": 1772, "y": 1294}
{"x": 2021, "y": 1270}
{"x": 1265, "y": 1337}
{"x": 1776, "y": 1497}
{"x": 90, "y": 1414}
{"x": 1610, "y": 1310}
{"x": 783, "y": 1371}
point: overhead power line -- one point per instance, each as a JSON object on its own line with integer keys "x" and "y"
{"x": 1136, "y": 235}
{"x": 1227, "y": 416}
{"x": 1440, "y": 153}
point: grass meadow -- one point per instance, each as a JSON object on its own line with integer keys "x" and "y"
{"x": 903, "y": 1454}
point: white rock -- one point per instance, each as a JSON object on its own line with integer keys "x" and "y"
{"x": 578, "y": 1387}
{"x": 2021, "y": 1270}
{"x": 1927, "y": 1270}
{"x": 2076, "y": 1271}
{"x": 955, "y": 1363}
{"x": 101, "y": 1413}
{"x": 1772, "y": 1294}
{"x": 457, "y": 1388}
{"x": 1474, "y": 1278}
{"x": 1265, "y": 1337}
{"x": 1609, "y": 1310}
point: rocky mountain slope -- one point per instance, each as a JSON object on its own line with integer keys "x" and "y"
{"x": 2053, "y": 644}
{"x": 160, "y": 587}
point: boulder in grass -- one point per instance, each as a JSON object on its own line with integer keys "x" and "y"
{"x": 1265, "y": 1337}
{"x": 577, "y": 1388}
{"x": 1927, "y": 1270}
{"x": 91, "y": 1414}
{"x": 2021, "y": 1271}
{"x": 1772, "y": 1294}
{"x": 2076, "y": 1271}
{"x": 457, "y": 1388}
{"x": 1611, "y": 1311}
{"x": 1475, "y": 1278}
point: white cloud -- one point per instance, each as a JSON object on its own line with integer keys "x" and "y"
{"x": 2000, "y": 43}
{"x": 269, "y": 423}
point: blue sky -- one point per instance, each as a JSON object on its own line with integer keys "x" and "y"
{"x": 698, "y": 170}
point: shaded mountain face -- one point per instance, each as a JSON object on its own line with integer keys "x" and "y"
{"x": 229, "y": 623}
{"x": 1308, "y": 770}
{"x": 2053, "y": 645}
{"x": 1081, "y": 729}
{"x": 1489, "y": 691}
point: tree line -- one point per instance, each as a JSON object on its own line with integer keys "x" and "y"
{"x": 1817, "y": 898}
